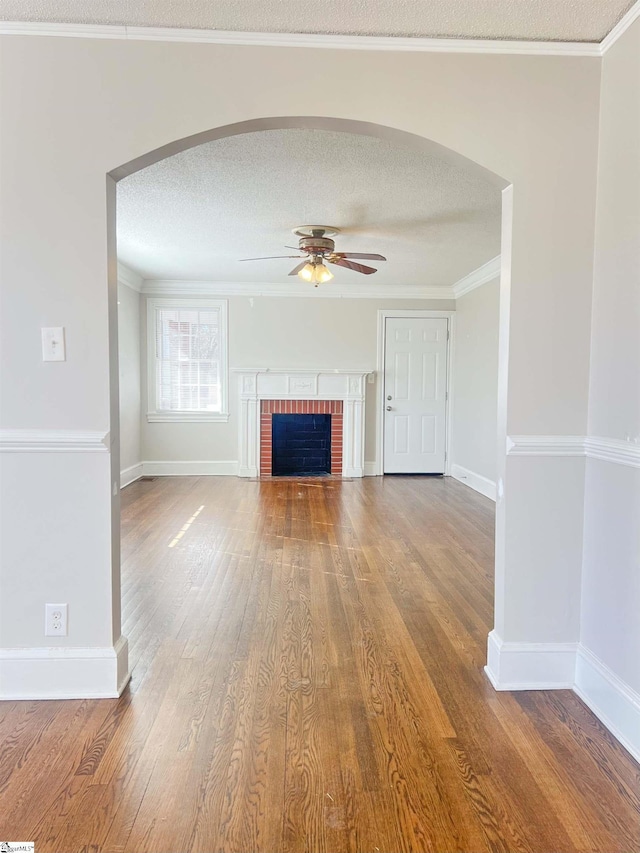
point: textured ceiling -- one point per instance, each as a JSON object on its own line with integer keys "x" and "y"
{"x": 194, "y": 215}
{"x": 554, "y": 20}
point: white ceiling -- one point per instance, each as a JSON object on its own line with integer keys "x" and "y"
{"x": 553, "y": 20}
{"x": 194, "y": 215}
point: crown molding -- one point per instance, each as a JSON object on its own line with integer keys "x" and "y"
{"x": 129, "y": 278}
{"x": 487, "y": 272}
{"x": 305, "y": 40}
{"x": 620, "y": 28}
{"x": 333, "y": 290}
{"x": 168, "y": 287}
{"x": 43, "y": 28}
{"x": 53, "y": 441}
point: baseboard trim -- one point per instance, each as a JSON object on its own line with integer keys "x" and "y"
{"x": 131, "y": 474}
{"x": 615, "y": 704}
{"x": 248, "y": 472}
{"x": 218, "y": 468}
{"x": 371, "y": 469}
{"x": 530, "y": 666}
{"x": 475, "y": 481}
{"x": 64, "y": 672}
{"x": 356, "y": 472}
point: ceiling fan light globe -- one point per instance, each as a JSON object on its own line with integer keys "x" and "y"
{"x": 307, "y": 272}
{"x": 323, "y": 274}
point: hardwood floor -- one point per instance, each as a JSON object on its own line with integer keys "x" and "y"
{"x": 308, "y": 676}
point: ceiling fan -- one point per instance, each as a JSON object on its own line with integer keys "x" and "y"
{"x": 316, "y": 246}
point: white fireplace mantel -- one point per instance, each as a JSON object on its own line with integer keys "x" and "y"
{"x": 301, "y": 384}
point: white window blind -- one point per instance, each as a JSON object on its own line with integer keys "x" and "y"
{"x": 188, "y": 360}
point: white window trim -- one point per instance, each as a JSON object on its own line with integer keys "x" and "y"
{"x": 159, "y": 416}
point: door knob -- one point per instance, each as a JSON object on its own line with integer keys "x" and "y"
{"x": 388, "y": 408}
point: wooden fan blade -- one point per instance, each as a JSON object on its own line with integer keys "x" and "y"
{"x": 350, "y": 265}
{"x": 360, "y": 255}
{"x": 269, "y": 258}
{"x": 297, "y": 269}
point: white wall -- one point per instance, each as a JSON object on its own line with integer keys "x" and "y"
{"x": 84, "y": 107}
{"x": 286, "y": 332}
{"x": 129, "y": 373}
{"x": 609, "y": 673}
{"x": 475, "y": 394}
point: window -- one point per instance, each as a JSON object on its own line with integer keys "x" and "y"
{"x": 187, "y": 359}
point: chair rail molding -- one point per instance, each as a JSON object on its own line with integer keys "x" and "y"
{"x": 53, "y": 441}
{"x": 613, "y": 450}
{"x": 593, "y": 447}
{"x": 545, "y": 445}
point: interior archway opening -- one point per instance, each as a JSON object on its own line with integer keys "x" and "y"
{"x": 269, "y": 326}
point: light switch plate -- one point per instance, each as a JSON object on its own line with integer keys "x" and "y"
{"x": 53, "y": 348}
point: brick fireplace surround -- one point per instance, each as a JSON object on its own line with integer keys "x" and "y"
{"x": 264, "y": 392}
{"x": 268, "y": 408}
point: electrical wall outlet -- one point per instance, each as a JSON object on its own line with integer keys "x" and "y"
{"x": 55, "y": 620}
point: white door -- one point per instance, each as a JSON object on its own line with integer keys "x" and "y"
{"x": 415, "y": 380}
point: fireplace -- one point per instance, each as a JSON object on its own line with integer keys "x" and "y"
{"x": 265, "y": 392}
{"x": 314, "y": 427}
{"x": 301, "y": 445}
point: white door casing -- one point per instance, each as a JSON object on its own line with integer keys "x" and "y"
{"x": 415, "y": 399}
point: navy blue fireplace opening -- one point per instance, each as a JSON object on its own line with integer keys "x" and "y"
{"x": 301, "y": 445}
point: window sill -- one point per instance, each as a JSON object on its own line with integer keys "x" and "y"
{"x": 187, "y": 417}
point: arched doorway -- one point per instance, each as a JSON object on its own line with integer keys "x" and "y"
{"x": 389, "y": 134}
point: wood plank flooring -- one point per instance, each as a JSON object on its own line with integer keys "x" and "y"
{"x": 308, "y": 676}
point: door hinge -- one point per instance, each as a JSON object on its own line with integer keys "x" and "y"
{"x": 446, "y": 395}
{"x": 447, "y": 334}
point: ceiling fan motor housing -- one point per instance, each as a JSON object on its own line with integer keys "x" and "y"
{"x": 315, "y": 242}
{"x": 317, "y": 245}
